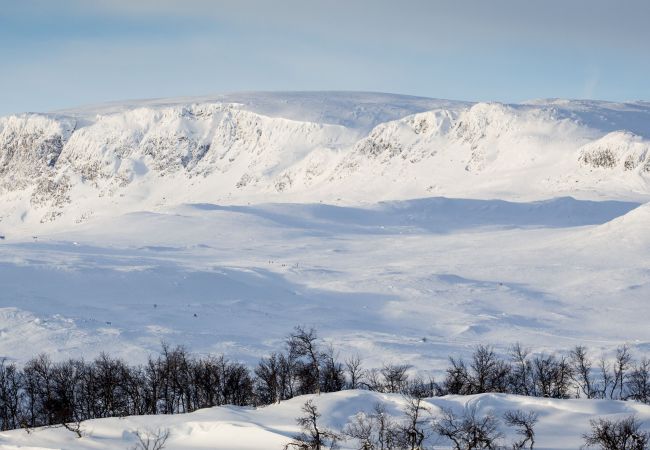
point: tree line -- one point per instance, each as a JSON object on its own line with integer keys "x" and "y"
{"x": 43, "y": 392}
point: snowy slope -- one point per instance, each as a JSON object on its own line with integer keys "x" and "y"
{"x": 561, "y": 422}
{"x": 411, "y": 281}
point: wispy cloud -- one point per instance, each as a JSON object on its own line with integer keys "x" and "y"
{"x": 591, "y": 84}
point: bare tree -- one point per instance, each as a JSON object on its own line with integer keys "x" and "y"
{"x": 469, "y": 431}
{"x": 387, "y": 430}
{"x": 525, "y": 425}
{"x": 415, "y": 429}
{"x": 621, "y": 365}
{"x": 552, "y": 376}
{"x": 362, "y": 428}
{"x": 624, "y": 434}
{"x": 11, "y": 396}
{"x": 303, "y": 343}
{"x": 422, "y": 388}
{"x": 489, "y": 373}
{"x": 638, "y": 381}
{"x": 395, "y": 377}
{"x": 354, "y": 371}
{"x": 373, "y": 380}
{"x": 582, "y": 370}
{"x": 606, "y": 378}
{"x": 313, "y": 436}
{"x": 75, "y": 427}
{"x": 151, "y": 439}
{"x": 332, "y": 373}
{"x": 457, "y": 380}
{"x": 375, "y": 431}
{"x": 269, "y": 379}
{"x": 521, "y": 376}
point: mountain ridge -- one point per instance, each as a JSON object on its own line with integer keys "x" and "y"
{"x": 313, "y": 147}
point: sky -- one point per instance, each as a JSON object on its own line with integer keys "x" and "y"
{"x": 57, "y": 54}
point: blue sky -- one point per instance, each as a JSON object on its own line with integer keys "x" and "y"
{"x": 57, "y": 54}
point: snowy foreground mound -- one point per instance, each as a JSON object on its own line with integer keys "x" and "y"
{"x": 311, "y": 147}
{"x": 561, "y": 422}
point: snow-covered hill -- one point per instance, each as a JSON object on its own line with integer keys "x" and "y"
{"x": 352, "y": 148}
{"x": 561, "y": 422}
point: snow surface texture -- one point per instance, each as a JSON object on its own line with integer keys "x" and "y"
{"x": 561, "y": 422}
{"x": 405, "y": 229}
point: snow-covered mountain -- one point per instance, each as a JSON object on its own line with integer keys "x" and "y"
{"x": 68, "y": 166}
{"x": 406, "y": 230}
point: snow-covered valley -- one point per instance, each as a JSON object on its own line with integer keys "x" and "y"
{"x": 413, "y": 280}
{"x": 404, "y": 229}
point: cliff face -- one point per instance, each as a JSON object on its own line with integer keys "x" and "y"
{"x": 30, "y": 146}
